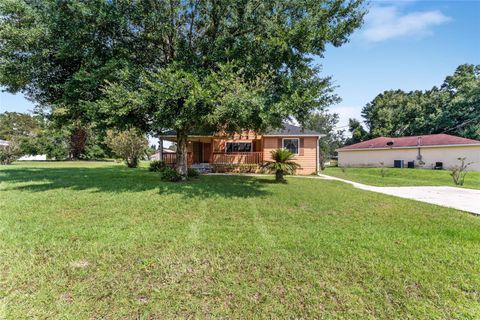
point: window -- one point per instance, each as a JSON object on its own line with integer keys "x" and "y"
{"x": 239, "y": 147}
{"x": 291, "y": 145}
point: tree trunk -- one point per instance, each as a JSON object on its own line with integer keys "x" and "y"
{"x": 181, "y": 164}
{"x": 279, "y": 176}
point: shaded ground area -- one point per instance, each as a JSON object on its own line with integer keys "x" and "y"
{"x": 96, "y": 240}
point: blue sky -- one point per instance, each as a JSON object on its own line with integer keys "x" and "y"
{"x": 402, "y": 45}
{"x": 405, "y": 45}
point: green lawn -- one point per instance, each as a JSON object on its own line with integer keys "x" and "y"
{"x": 98, "y": 240}
{"x": 402, "y": 177}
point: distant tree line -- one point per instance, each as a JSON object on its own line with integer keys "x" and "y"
{"x": 36, "y": 134}
{"x": 452, "y": 108}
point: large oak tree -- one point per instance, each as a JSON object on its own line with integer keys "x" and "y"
{"x": 178, "y": 64}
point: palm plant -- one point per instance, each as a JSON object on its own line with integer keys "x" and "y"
{"x": 282, "y": 164}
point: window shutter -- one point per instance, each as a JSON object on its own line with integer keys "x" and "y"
{"x": 279, "y": 143}
{"x": 301, "y": 147}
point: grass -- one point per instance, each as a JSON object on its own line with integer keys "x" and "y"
{"x": 402, "y": 177}
{"x": 98, "y": 240}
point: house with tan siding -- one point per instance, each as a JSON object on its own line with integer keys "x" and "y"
{"x": 222, "y": 152}
{"x": 440, "y": 151}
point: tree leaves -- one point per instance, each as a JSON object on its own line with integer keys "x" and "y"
{"x": 454, "y": 108}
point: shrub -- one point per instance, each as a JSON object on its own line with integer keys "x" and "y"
{"x": 129, "y": 145}
{"x": 169, "y": 174}
{"x": 157, "y": 165}
{"x": 459, "y": 172}
{"x": 192, "y": 173}
{"x": 383, "y": 172}
{"x": 9, "y": 153}
{"x": 282, "y": 164}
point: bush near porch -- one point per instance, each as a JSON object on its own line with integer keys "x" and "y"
{"x": 236, "y": 168}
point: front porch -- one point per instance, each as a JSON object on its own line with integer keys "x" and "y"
{"x": 220, "y": 152}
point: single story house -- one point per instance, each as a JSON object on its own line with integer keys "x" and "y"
{"x": 249, "y": 148}
{"x": 428, "y": 151}
{"x": 38, "y": 157}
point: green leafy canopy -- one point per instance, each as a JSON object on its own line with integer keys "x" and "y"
{"x": 452, "y": 108}
{"x": 60, "y": 53}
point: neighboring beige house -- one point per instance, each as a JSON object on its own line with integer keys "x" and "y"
{"x": 426, "y": 151}
{"x": 158, "y": 154}
{"x": 249, "y": 148}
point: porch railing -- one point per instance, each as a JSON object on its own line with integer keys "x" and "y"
{"x": 233, "y": 158}
{"x": 170, "y": 158}
{"x": 225, "y": 158}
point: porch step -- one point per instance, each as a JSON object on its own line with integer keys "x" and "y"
{"x": 202, "y": 167}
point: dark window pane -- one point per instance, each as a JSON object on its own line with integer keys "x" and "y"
{"x": 291, "y": 145}
{"x": 239, "y": 147}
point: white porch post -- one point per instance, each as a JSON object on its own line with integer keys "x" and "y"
{"x": 161, "y": 148}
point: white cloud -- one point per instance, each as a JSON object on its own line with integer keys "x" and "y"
{"x": 386, "y": 22}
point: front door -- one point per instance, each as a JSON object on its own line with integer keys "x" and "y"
{"x": 197, "y": 152}
{"x": 207, "y": 151}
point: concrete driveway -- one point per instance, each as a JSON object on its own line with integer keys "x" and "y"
{"x": 458, "y": 198}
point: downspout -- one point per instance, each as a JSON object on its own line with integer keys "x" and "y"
{"x": 317, "y": 155}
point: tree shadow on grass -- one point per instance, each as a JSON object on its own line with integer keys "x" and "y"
{"x": 116, "y": 179}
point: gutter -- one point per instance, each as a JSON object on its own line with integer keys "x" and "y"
{"x": 412, "y": 147}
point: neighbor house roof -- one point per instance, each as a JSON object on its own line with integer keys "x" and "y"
{"x": 286, "y": 130}
{"x": 411, "y": 142}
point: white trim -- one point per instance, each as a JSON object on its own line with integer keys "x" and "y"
{"x": 238, "y": 141}
{"x": 298, "y": 145}
{"x": 412, "y": 147}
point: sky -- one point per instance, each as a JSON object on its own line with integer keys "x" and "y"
{"x": 408, "y": 45}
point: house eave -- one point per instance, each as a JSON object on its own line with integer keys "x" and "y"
{"x": 295, "y": 135}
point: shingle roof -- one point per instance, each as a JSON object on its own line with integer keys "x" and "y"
{"x": 412, "y": 141}
{"x": 286, "y": 130}
{"x": 291, "y": 130}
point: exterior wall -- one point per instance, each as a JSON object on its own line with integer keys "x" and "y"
{"x": 448, "y": 155}
{"x": 307, "y": 161}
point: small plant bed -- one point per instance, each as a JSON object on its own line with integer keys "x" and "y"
{"x": 236, "y": 168}
{"x": 391, "y": 177}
